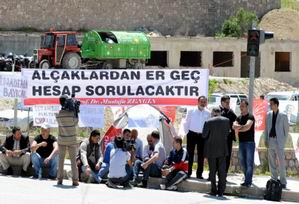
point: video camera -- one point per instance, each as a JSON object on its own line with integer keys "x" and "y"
{"x": 72, "y": 104}
{"x": 125, "y": 145}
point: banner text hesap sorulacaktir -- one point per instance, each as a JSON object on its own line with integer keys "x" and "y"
{"x": 117, "y": 90}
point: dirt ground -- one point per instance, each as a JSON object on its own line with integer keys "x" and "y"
{"x": 283, "y": 22}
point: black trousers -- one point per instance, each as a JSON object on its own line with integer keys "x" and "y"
{"x": 229, "y": 147}
{"x": 195, "y": 139}
{"x": 217, "y": 165}
{"x": 175, "y": 177}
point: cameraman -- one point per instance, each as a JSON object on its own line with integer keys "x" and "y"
{"x": 67, "y": 131}
{"x": 119, "y": 173}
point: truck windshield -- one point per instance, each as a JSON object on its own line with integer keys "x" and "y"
{"x": 47, "y": 41}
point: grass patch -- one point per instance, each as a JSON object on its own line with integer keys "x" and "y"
{"x": 290, "y": 4}
{"x": 212, "y": 86}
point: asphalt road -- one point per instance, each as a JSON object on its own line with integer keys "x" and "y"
{"x": 25, "y": 190}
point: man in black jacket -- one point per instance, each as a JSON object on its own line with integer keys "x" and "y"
{"x": 228, "y": 113}
{"x": 15, "y": 151}
{"x": 215, "y": 133}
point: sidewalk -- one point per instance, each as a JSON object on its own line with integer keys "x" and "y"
{"x": 233, "y": 187}
{"x": 291, "y": 194}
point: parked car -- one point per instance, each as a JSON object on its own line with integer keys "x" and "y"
{"x": 289, "y": 103}
{"x": 283, "y": 95}
{"x": 24, "y": 117}
{"x": 215, "y": 99}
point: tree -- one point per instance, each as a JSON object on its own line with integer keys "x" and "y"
{"x": 237, "y": 25}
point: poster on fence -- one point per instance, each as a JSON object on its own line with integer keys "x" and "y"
{"x": 117, "y": 87}
{"x": 291, "y": 109}
{"x": 12, "y": 85}
{"x": 89, "y": 116}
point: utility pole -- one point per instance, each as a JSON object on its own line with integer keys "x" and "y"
{"x": 251, "y": 82}
{"x": 255, "y": 38}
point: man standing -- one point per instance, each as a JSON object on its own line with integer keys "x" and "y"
{"x": 228, "y": 113}
{"x": 195, "y": 120}
{"x": 45, "y": 153}
{"x": 244, "y": 128}
{"x": 15, "y": 151}
{"x": 67, "y": 132}
{"x": 276, "y": 134}
{"x": 216, "y": 131}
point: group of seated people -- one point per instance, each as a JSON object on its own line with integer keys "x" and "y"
{"x": 123, "y": 160}
{"x": 43, "y": 152}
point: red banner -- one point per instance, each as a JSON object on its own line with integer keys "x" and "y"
{"x": 115, "y": 101}
{"x": 169, "y": 111}
{"x": 260, "y": 108}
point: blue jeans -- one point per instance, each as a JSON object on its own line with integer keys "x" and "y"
{"x": 99, "y": 175}
{"x": 246, "y": 156}
{"x": 123, "y": 180}
{"x": 38, "y": 163}
{"x": 137, "y": 168}
{"x": 152, "y": 170}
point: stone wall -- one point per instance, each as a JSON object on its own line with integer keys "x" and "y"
{"x": 292, "y": 164}
{"x": 185, "y": 17}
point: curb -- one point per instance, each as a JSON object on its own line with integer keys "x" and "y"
{"x": 193, "y": 185}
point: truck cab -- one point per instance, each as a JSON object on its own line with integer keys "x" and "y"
{"x": 57, "y": 49}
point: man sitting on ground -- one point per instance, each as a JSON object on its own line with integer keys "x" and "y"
{"x": 147, "y": 152}
{"x": 45, "y": 153}
{"x": 138, "y": 144}
{"x": 119, "y": 173}
{"x": 152, "y": 166}
{"x": 15, "y": 151}
{"x": 176, "y": 169}
{"x": 90, "y": 158}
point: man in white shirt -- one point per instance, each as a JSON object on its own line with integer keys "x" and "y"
{"x": 119, "y": 174}
{"x": 195, "y": 120}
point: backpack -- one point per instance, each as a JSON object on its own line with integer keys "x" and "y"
{"x": 273, "y": 190}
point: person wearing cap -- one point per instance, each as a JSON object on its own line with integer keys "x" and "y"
{"x": 215, "y": 132}
{"x": 44, "y": 153}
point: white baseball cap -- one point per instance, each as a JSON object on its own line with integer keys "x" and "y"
{"x": 45, "y": 126}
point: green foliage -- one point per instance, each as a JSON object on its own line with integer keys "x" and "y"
{"x": 212, "y": 86}
{"x": 291, "y": 4}
{"x": 237, "y": 26}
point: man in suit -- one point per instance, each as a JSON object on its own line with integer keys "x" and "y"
{"x": 276, "y": 134}
{"x": 215, "y": 133}
{"x": 15, "y": 151}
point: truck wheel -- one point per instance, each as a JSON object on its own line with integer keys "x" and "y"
{"x": 71, "y": 60}
{"x": 44, "y": 64}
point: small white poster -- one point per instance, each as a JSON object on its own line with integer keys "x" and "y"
{"x": 89, "y": 116}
